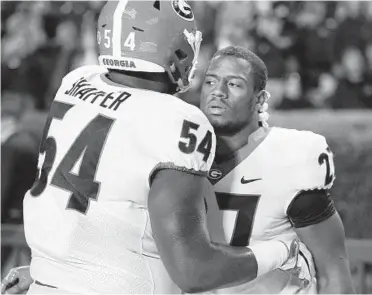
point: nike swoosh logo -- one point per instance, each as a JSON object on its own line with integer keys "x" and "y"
{"x": 245, "y": 181}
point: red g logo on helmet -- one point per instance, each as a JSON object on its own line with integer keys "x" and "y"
{"x": 183, "y": 9}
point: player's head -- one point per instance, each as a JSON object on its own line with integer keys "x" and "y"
{"x": 156, "y": 37}
{"x": 233, "y": 93}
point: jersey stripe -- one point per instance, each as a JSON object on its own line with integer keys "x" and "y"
{"x": 117, "y": 27}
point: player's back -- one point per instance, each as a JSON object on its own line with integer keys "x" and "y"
{"x": 86, "y": 217}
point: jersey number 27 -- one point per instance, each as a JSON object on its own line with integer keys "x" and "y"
{"x": 87, "y": 146}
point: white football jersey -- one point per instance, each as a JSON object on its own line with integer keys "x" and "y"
{"x": 86, "y": 217}
{"x": 254, "y": 188}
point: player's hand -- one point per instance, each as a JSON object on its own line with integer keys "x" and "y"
{"x": 293, "y": 252}
{"x": 17, "y": 281}
{"x": 295, "y": 284}
{"x": 301, "y": 273}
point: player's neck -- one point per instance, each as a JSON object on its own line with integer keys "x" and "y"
{"x": 230, "y": 144}
{"x": 139, "y": 82}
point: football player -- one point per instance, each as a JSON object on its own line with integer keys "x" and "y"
{"x": 118, "y": 204}
{"x": 269, "y": 182}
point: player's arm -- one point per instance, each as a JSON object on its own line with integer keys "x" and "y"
{"x": 178, "y": 219}
{"x": 318, "y": 224}
{"x": 326, "y": 242}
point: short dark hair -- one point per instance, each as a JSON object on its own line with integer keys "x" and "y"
{"x": 259, "y": 69}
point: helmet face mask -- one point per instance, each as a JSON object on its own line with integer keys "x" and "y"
{"x": 149, "y": 36}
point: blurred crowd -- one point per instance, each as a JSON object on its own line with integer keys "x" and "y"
{"x": 41, "y": 42}
{"x": 318, "y": 54}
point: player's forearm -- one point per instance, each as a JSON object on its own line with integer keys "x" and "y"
{"x": 335, "y": 284}
{"x": 224, "y": 266}
{"x": 334, "y": 277}
{"x": 335, "y": 287}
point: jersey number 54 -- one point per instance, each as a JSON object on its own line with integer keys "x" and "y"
{"x": 87, "y": 146}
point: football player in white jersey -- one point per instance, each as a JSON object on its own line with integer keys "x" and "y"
{"x": 269, "y": 182}
{"x": 118, "y": 204}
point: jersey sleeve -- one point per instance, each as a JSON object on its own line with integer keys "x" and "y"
{"x": 317, "y": 170}
{"x": 312, "y": 175}
{"x": 183, "y": 142}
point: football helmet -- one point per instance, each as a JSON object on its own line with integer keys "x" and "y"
{"x": 150, "y": 36}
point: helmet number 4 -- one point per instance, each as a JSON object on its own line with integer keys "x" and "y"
{"x": 130, "y": 41}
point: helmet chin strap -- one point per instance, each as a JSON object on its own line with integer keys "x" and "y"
{"x": 195, "y": 42}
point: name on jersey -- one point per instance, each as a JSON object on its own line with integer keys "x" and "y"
{"x": 83, "y": 90}
{"x": 117, "y": 63}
